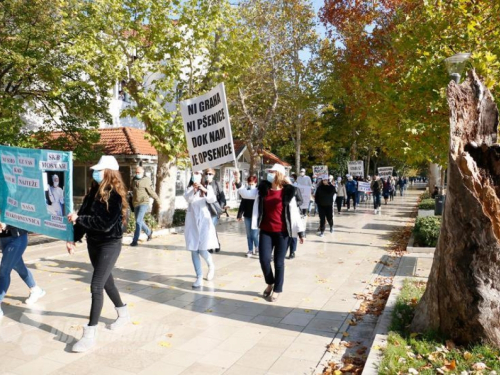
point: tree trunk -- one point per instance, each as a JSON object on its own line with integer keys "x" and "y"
{"x": 462, "y": 299}
{"x": 166, "y": 177}
{"x": 298, "y": 141}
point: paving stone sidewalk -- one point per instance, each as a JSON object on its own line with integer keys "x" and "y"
{"x": 225, "y": 328}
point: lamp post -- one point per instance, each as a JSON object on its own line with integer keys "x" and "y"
{"x": 456, "y": 65}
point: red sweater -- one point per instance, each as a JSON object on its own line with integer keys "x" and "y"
{"x": 272, "y": 220}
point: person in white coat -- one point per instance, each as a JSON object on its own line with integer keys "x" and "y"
{"x": 199, "y": 229}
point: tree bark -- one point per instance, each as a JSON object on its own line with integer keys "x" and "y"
{"x": 165, "y": 188}
{"x": 462, "y": 299}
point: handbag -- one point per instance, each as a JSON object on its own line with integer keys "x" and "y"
{"x": 214, "y": 209}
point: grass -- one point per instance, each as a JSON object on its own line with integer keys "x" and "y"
{"x": 428, "y": 353}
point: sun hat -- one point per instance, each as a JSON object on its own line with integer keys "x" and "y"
{"x": 106, "y": 162}
{"x": 303, "y": 170}
{"x": 277, "y": 168}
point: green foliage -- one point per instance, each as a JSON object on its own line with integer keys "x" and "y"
{"x": 179, "y": 218}
{"x": 427, "y": 204}
{"x": 420, "y": 349}
{"x": 48, "y": 77}
{"x": 148, "y": 219}
{"x": 427, "y": 230}
{"x": 425, "y": 195}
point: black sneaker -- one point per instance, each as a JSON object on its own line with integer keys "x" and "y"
{"x": 211, "y": 251}
{"x": 150, "y": 237}
{"x": 292, "y": 255}
{"x": 331, "y": 229}
{"x": 217, "y": 250}
{"x": 133, "y": 244}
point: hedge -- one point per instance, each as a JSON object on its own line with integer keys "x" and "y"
{"x": 427, "y": 204}
{"x": 427, "y": 230}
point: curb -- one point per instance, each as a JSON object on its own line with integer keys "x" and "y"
{"x": 418, "y": 250}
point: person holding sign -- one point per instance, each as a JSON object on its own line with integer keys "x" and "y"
{"x": 102, "y": 217}
{"x": 13, "y": 243}
{"x": 199, "y": 229}
{"x": 277, "y": 215}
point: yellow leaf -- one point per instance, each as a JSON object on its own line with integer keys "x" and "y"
{"x": 136, "y": 323}
{"x": 413, "y": 335}
{"x": 165, "y": 344}
{"x": 337, "y": 372}
{"x": 467, "y": 356}
{"x": 345, "y": 334}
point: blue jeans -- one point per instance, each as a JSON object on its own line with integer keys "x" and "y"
{"x": 195, "y": 255}
{"x": 252, "y": 234}
{"x": 140, "y": 212}
{"x": 12, "y": 259}
{"x": 292, "y": 244}
{"x": 376, "y": 200}
{"x": 215, "y": 220}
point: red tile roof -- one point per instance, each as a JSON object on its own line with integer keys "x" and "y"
{"x": 121, "y": 141}
{"x": 270, "y": 158}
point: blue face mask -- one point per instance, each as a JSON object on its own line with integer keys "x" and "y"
{"x": 270, "y": 177}
{"x": 98, "y": 176}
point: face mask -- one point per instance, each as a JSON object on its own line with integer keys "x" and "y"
{"x": 196, "y": 178}
{"x": 56, "y": 183}
{"x": 302, "y": 174}
{"x": 139, "y": 176}
{"x": 314, "y": 180}
{"x": 209, "y": 178}
{"x": 98, "y": 176}
{"x": 292, "y": 179}
{"x": 270, "y": 177}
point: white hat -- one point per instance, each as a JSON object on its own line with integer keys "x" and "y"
{"x": 302, "y": 170}
{"x": 278, "y": 168}
{"x": 330, "y": 178}
{"x": 339, "y": 178}
{"x": 106, "y": 162}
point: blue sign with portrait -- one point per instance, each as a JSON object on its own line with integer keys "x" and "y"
{"x": 36, "y": 190}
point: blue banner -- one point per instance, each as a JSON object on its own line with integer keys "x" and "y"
{"x": 36, "y": 190}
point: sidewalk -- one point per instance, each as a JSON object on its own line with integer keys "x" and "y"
{"x": 225, "y": 328}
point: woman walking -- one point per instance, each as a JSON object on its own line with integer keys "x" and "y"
{"x": 13, "y": 243}
{"x": 277, "y": 214}
{"x": 102, "y": 217}
{"x": 341, "y": 193}
{"x": 245, "y": 212}
{"x": 199, "y": 229}
{"x": 376, "y": 187}
{"x": 324, "y": 200}
{"x": 386, "y": 189}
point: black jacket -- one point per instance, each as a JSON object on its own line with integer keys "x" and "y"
{"x": 289, "y": 192}
{"x": 324, "y": 195}
{"x": 98, "y": 221}
{"x": 11, "y": 231}
{"x": 246, "y": 207}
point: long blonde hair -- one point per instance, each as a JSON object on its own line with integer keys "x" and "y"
{"x": 112, "y": 180}
{"x": 280, "y": 179}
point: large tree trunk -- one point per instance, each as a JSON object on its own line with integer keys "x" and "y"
{"x": 462, "y": 299}
{"x": 166, "y": 177}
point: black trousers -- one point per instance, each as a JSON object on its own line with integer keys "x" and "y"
{"x": 269, "y": 241}
{"x": 103, "y": 256}
{"x": 339, "y": 201}
{"x": 349, "y": 196}
{"x": 325, "y": 213}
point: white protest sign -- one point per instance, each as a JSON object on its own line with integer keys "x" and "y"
{"x": 208, "y": 130}
{"x": 364, "y": 187}
{"x": 355, "y": 168}
{"x": 385, "y": 172}
{"x": 320, "y": 171}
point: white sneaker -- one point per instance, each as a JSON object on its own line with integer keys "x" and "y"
{"x": 198, "y": 283}
{"x": 35, "y": 294}
{"x": 375, "y": 211}
{"x": 123, "y": 318}
{"x": 211, "y": 272}
{"x": 249, "y": 254}
{"x": 87, "y": 341}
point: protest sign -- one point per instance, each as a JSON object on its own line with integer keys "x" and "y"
{"x": 208, "y": 130}
{"x": 355, "y": 168}
{"x": 364, "y": 187}
{"x": 385, "y": 172}
{"x": 320, "y": 171}
{"x": 36, "y": 190}
{"x": 305, "y": 192}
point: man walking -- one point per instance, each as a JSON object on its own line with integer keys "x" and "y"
{"x": 304, "y": 183}
{"x": 376, "y": 187}
{"x": 351, "y": 188}
{"x": 142, "y": 190}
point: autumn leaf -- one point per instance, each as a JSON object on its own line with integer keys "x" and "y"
{"x": 165, "y": 344}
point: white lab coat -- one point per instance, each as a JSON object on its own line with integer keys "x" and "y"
{"x": 199, "y": 230}
{"x": 56, "y": 197}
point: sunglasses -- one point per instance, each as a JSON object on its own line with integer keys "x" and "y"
{"x": 209, "y": 174}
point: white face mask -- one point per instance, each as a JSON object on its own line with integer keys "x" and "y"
{"x": 210, "y": 178}
{"x": 302, "y": 174}
{"x": 196, "y": 178}
{"x": 56, "y": 183}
